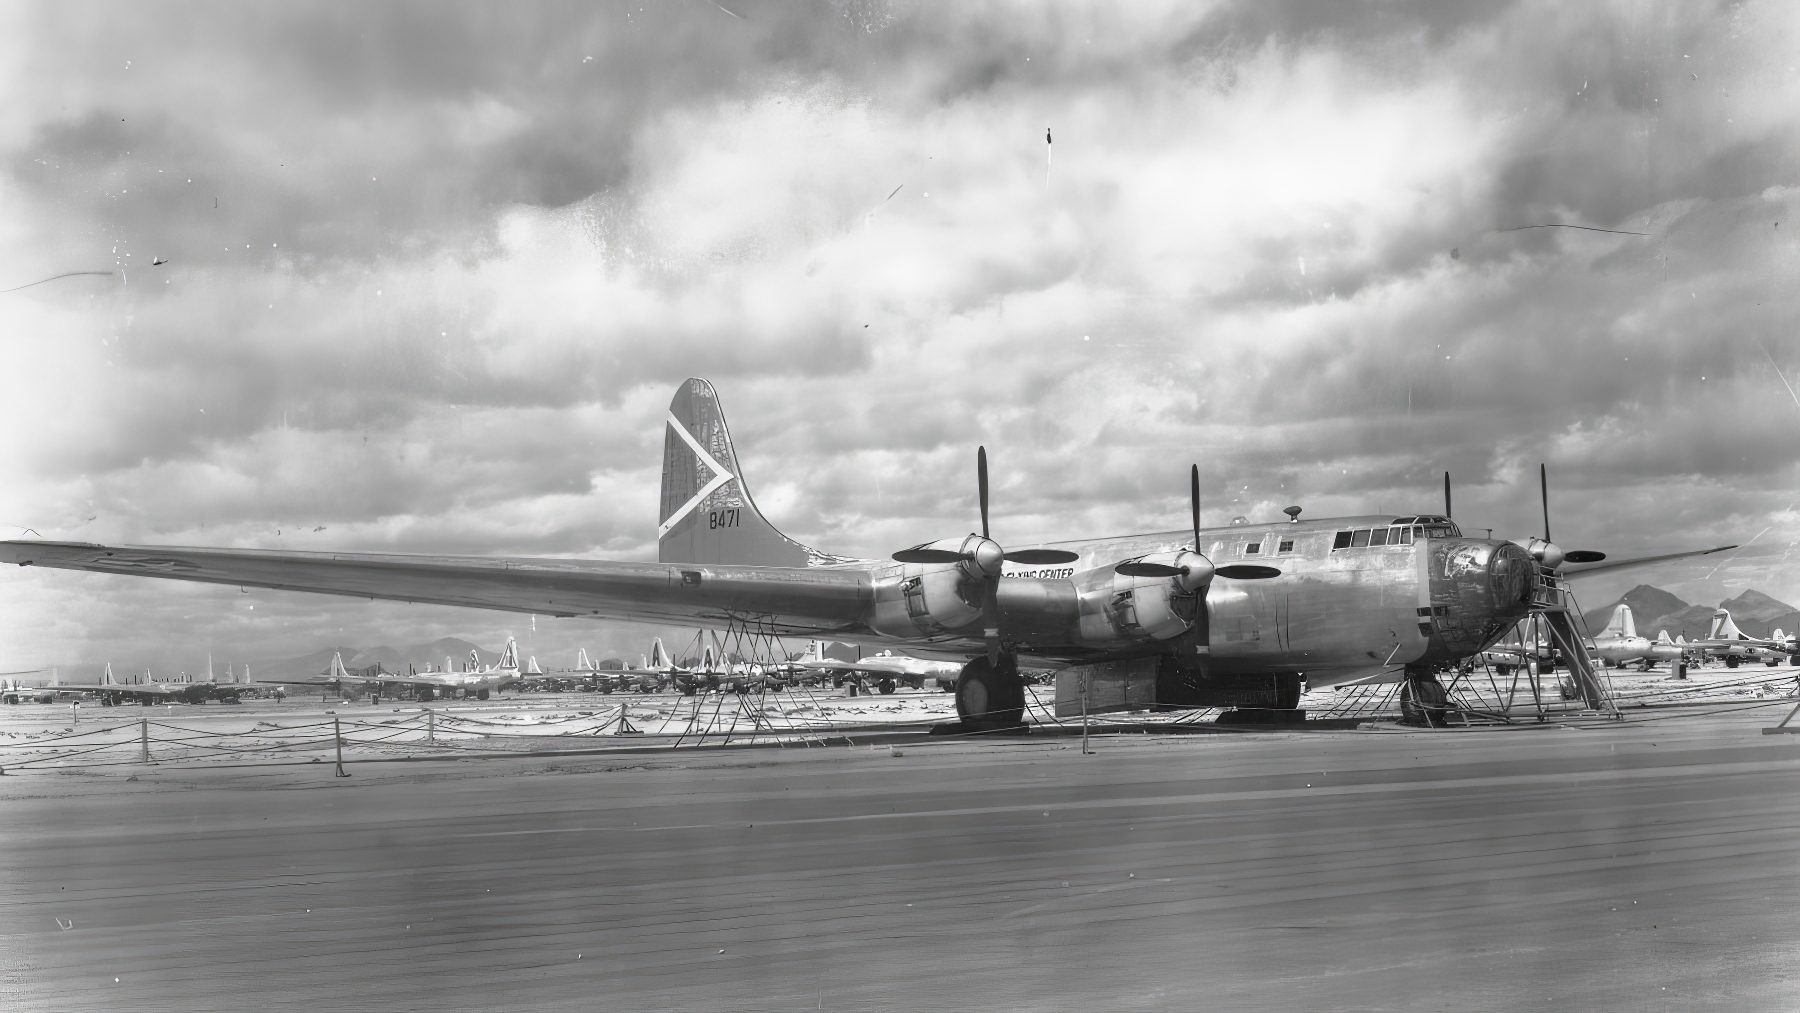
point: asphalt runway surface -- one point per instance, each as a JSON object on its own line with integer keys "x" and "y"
{"x": 1642, "y": 866}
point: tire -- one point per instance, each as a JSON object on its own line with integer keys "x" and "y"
{"x": 1731, "y": 663}
{"x": 481, "y": 694}
{"x": 886, "y": 686}
{"x": 990, "y": 697}
{"x": 1423, "y": 702}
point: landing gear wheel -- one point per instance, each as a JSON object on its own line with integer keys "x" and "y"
{"x": 1731, "y": 663}
{"x": 887, "y": 685}
{"x": 990, "y": 697}
{"x": 481, "y": 694}
{"x": 1423, "y": 702}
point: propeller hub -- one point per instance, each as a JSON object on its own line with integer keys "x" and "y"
{"x": 1198, "y": 570}
{"x": 1546, "y": 553}
{"x": 987, "y": 556}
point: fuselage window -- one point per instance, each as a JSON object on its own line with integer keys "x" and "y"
{"x": 1378, "y": 536}
{"x": 1359, "y": 538}
{"x": 1287, "y": 545}
{"x": 1253, "y": 548}
{"x": 1342, "y": 542}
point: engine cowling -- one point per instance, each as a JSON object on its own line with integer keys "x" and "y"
{"x": 1116, "y": 608}
{"x": 929, "y": 598}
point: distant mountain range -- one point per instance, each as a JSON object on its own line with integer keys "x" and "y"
{"x": 1654, "y": 609}
{"x": 310, "y": 666}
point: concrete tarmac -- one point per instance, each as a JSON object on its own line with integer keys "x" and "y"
{"x": 1642, "y": 866}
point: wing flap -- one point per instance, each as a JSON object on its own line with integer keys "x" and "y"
{"x": 793, "y": 601}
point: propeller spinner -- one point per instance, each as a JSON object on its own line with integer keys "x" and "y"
{"x": 1190, "y": 566}
{"x": 1546, "y": 551}
{"x": 986, "y": 556}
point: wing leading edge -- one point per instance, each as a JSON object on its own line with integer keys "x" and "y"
{"x": 789, "y": 601}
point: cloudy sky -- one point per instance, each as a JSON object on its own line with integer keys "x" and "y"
{"x": 434, "y": 271}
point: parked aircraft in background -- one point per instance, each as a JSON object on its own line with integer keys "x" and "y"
{"x": 111, "y": 692}
{"x": 1196, "y": 617}
{"x": 475, "y": 681}
{"x": 1620, "y": 644}
{"x": 1726, "y": 641}
{"x": 890, "y": 669}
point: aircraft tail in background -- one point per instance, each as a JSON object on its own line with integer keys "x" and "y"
{"x": 1622, "y": 624}
{"x": 1723, "y": 628}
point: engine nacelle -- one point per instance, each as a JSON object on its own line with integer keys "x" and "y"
{"x": 928, "y": 598}
{"x": 1116, "y": 609}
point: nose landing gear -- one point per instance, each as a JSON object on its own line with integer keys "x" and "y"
{"x": 1423, "y": 701}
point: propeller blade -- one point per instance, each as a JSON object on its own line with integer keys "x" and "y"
{"x": 920, "y": 554}
{"x": 1583, "y": 556}
{"x": 981, "y": 481}
{"x": 1447, "y": 512}
{"x": 1247, "y": 571}
{"x": 1544, "y": 490}
{"x": 1194, "y": 501}
{"x": 1139, "y": 568}
{"x": 990, "y": 615}
{"x": 1039, "y": 557}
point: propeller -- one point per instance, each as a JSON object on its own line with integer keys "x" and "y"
{"x": 986, "y": 555}
{"x": 1547, "y": 551}
{"x": 1190, "y": 563}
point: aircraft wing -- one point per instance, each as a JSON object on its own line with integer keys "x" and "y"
{"x": 1581, "y": 570}
{"x": 792, "y": 601}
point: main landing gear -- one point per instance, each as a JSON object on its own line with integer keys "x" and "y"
{"x": 991, "y": 697}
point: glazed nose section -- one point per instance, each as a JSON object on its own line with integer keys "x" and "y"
{"x": 1511, "y": 574}
{"x": 1486, "y": 586}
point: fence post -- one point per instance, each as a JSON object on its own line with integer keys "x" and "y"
{"x": 430, "y": 725}
{"x": 143, "y": 740}
{"x": 337, "y": 735}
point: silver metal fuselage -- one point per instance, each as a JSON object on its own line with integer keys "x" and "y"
{"x": 1335, "y": 614}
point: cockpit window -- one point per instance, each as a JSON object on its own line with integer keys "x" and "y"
{"x": 1287, "y": 545}
{"x": 1378, "y": 536}
{"x": 1252, "y": 548}
{"x": 1400, "y": 536}
{"x": 1342, "y": 541}
{"x": 1359, "y": 538}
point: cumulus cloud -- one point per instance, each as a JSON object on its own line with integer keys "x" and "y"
{"x": 434, "y": 270}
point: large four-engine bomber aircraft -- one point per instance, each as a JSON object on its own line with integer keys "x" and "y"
{"x": 1209, "y": 617}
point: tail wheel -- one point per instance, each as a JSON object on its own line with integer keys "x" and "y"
{"x": 1423, "y": 702}
{"x": 989, "y": 696}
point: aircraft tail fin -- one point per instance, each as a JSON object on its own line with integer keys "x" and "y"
{"x": 707, "y": 515}
{"x": 1723, "y": 628}
{"x": 337, "y": 666}
{"x": 659, "y": 656}
{"x": 509, "y": 658}
{"x": 106, "y": 678}
{"x": 1622, "y": 624}
{"x": 531, "y": 666}
{"x": 582, "y": 664}
{"x": 1662, "y": 637}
